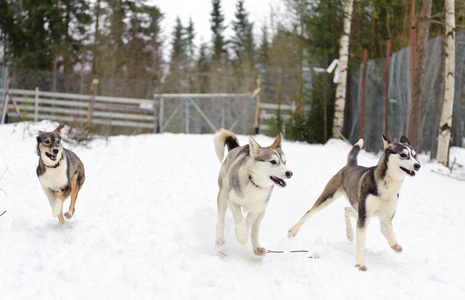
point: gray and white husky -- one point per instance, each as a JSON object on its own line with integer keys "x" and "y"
{"x": 372, "y": 192}
{"x": 60, "y": 172}
{"x": 246, "y": 179}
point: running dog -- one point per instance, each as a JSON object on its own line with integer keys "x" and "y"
{"x": 372, "y": 192}
{"x": 246, "y": 179}
{"x": 60, "y": 172}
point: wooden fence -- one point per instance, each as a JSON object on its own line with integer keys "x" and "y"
{"x": 140, "y": 115}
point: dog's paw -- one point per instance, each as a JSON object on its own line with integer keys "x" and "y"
{"x": 292, "y": 232}
{"x": 220, "y": 241}
{"x": 350, "y": 234}
{"x": 241, "y": 234}
{"x": 361, "y": 267}
{"x": 260, "y": 251}
{"x": 397, "y": 248}
{"x": 68, "y": 215}
{"x": 61, "y": 219}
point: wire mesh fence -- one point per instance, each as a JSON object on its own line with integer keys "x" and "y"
{"x": 400, "y": 97}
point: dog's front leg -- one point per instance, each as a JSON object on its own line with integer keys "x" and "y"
{"x": 222, "y": 207}
{"x": 361, "y": 244}
{"x": 257, "y": 249}
{"x": 388, "y": 232}
{"x": 50, "y": 195}
{"x": 57, "y": 210}
{"x": 241, "y": 228}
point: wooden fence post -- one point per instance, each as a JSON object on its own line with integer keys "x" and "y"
{"x": 91, "y": 102}
{"x": 257, "y": 107}
{"x": 160, "y": 105}
{"x": 36, "y": 105}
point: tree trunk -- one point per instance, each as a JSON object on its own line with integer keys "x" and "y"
{"x": 417, "y": 86}
{"x": 343, "y": 60}
{"x": 445, "y": 123}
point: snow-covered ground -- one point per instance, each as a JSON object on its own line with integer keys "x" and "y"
{"x": 144, "y": 227}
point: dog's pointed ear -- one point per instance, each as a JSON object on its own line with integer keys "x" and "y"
{"x": 41, "y": 132}
{"x": 39, "y": 140}
{"x": 404, "y": 140}
{"x": 277, "y": 141}
{"x": 58, "y": 129}
{"x": 254, "y": 146}
{"x": 387, "y": 142}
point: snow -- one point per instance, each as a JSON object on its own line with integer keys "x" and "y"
{"x": 144, "y": 227}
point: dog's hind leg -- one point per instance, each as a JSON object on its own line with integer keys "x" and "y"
{"x": 75, "y": 187}
{"x": 257, "y": 249}
{"x": 350, "y": 213}
{"x": 332, "y": 191}
{"x": 222, "y": 207}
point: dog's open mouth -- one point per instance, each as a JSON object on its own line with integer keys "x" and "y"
{"x": 278, "y": 181}
{"x": 51, "y": 156}
{"x": 411, "y": 173}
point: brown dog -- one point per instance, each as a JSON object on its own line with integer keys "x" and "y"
{"x": 60, "y": 172}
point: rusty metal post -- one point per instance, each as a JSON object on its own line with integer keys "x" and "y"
{"x": 386, "y": 103}
{"x": 365, "y": 58}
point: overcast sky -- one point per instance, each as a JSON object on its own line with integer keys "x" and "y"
{"x": 199, "y": 10}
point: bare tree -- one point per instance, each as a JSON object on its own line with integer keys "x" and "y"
{"x": 420, "y": 55}
{"x": 447, "y": 108}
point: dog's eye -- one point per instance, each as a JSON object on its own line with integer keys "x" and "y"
{"x": 273, "y": 162}
{"x": 47, "y": 142}
{"x": 403, "y": 155}
{"x": 58, "y": 142}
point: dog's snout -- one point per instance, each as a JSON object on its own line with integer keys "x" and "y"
{"x": 55, "y": 151}
{"x": 417, "y": 167}
{"x": 288, "y": 174}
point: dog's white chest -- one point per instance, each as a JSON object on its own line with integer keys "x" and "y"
{"x": 54, "y": 178}
{"x": 252, "y": 198}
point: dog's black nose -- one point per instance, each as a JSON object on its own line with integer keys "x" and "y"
{"x": 417, "y": 167}
{"x": 288, "y": 174}
{"x": 55, "y": 151}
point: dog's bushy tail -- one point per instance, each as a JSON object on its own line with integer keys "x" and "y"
{"x": 352, "y": 157}
{"x": 222, "y": 138}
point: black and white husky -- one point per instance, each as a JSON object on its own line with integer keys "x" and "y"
{"x": 372, "y": 192}
{"x": 246, "y": 179}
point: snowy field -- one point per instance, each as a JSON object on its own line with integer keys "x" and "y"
{"x": 144, "y": 227}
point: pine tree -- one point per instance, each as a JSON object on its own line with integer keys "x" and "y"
{"x": 203, "y": 67}
{"x": 217, "y": 27}
{"x": 242, "y": 42}
{"x": 264, "y": 49}
{"x": 178, "y": 44}
{"x": 189, "y": 40}
{"x": 177, "y": 80}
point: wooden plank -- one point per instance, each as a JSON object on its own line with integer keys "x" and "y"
{"x": 102, "y": 114}
{"x": 97, "y": 121}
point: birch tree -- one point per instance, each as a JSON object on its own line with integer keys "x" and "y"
{"x": 446, "y": 117}
{"x": 338, "y": 122}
